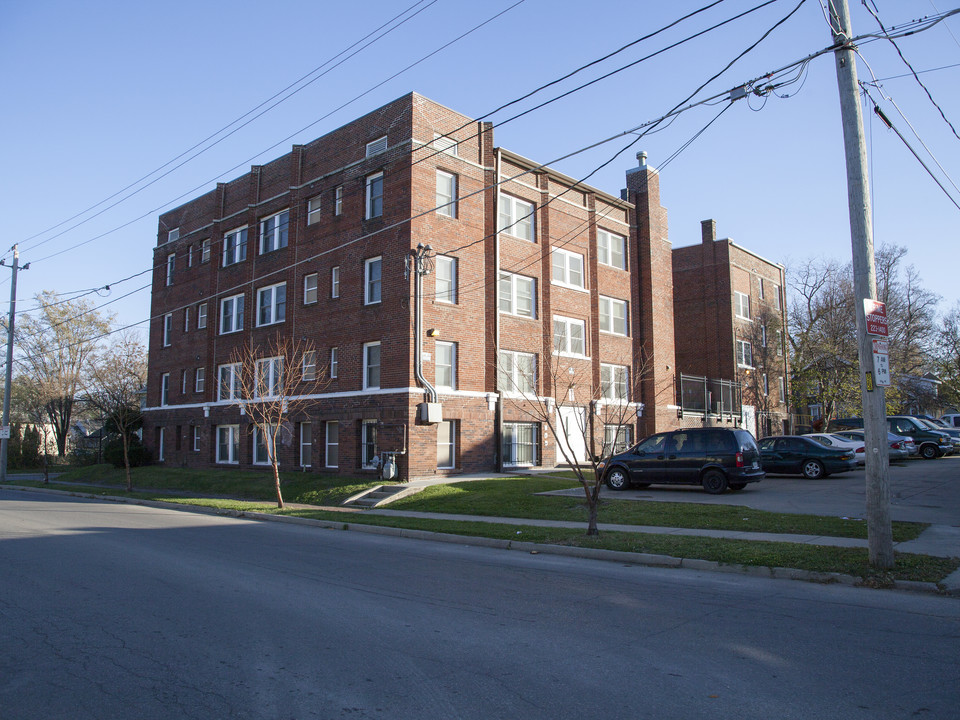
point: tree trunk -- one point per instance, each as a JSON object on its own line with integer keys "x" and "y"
{"x": 126, "y": 459}
{"x": 276, "y": 480}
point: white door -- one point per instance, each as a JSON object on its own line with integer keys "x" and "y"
{"x": 749, "y": 419}
{"x": 572, "y": 435}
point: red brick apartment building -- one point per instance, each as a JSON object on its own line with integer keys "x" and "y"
{"x": 527, "y": 266}
{"x": 731, "y": 325}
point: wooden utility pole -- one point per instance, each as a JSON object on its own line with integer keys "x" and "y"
{"x": 879, "y": 530}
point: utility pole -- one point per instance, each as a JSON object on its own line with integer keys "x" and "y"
{"x": 879, "y": 530}
{"x": 5, "y": 430}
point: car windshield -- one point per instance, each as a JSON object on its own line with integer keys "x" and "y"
{"x": 840, "y": 438}
{"x": 928, "y": 424}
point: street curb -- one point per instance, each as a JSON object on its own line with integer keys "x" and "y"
{"x": 644, "y": 559}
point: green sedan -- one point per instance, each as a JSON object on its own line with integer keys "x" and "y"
{"x": 796, "y": 454}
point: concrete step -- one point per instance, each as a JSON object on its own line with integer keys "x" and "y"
{"x": 380, "y": 495}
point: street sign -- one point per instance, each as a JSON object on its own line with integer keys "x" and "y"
{"x": 881, "y": 363}
{"x": 876, "y": 315}
{"x": 4, "y": 432}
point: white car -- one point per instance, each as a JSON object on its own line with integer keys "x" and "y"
{"x": 901, "y": 447}
{"x": 841, "y": 443}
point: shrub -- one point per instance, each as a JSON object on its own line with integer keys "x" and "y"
{"x": 113, "y": 452}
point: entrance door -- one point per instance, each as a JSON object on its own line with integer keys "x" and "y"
{"x": 749, "y": 419}
{"x": 571, "y": 429}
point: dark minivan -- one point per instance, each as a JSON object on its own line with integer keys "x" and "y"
{"x": 716, "y": 458}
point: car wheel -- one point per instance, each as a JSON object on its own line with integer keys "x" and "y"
{"x": 929, "y": 452}
{"x": 736, "y": 486}
{"x": 714, "y": 482}
{"x": 617, "y": 479}
{"x": 813, "y": 469}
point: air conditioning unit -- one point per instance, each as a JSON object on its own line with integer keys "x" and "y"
{"x": 430, "y": 413}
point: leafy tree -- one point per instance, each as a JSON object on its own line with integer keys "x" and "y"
{"x": 947, "y": 358}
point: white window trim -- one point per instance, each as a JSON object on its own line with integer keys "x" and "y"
{"x": 309, "y": 365}
{"x": 609, "y": 302}
{"x": 171, "y": 267}
{"x": 327, "y": 444}
{"x": 232, "y": 255}
{"x": 447, "y": 204}
{"x": 334, "y": 363}
{"x": 606, "y": 248}
{"x": 233, "y": 445}
{"x": 314, "y": 206}
{"x": 205, "y": 251}
{"x": 311, "y": 287}
{"x": 173, "y": 235}
{"x": 186, "y": 319}
{"x": 568, "y": 323}
{"x": 567, "y": 256}
{"x": 200, "y": 380}
{"x": 201, "y": 316}
{"x": 269, "y": 445}
{"x": 233, "y": 390}
{"x": 196, "y": 438}
{"x": 535, "y": 443}
{"x": 366, "y": 356}
{"x": 272, "y": 379}
{"x": 744, "y": 344}
{"x": 306, "y": 428}
{"x": 515, "y": 217}
{"x": 364, "y": 430}
{"x": 164, "y": 389}
{"x": 274, "y": 239}
{"x": 514, "y": 373}
{"x": 237, "y": 324}
{"x": 168, "y": 330}
{"x": 612, "y": 371}
{"x": 446, "y": 296}
{"x": 453, "y": 365}
{"x": 738, "y": 301}
{"x": 274, "y": 305}
{"x": 335, "y": 281}
{"x": 338, "y": 200}
{"x": 367, "y": 282}
{"x": 513, "y": 278}
{"x": 370, "y": 198}
{"x": 452, "y": 444}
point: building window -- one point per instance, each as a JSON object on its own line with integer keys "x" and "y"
{"x": 517, "y": 372}
{"x": 196, "y": 438}
{"x": 744, "y": 354}
{"x": 231, "y": 314}
{"x": 173, "y": 235}
{"x": 368, "y": 444}
{"x": 264, "y": 445}
{"x": 616, "y": 439}
{"x": 310, "y": 365}
{"x": 186, "y": 319}
{"x": 568, "y": 269}
{"x": 309, "y": 289}
{"x": 763, "y": 336}
{"x": 201, "y": 316}
{"x": 338, "y": 200}
{"x": 377, "y": 146}
{"x": 445, "y": 144}
{"x": 228, "y": 382}
{"x": 611, "y": 249}
{"x": 760, "y": 287}
{"x": 446, "y": 194}
{"x": 332, "y": 449}
{"x": 205, "y": 251}
{"x": 313, "y": 210}
{"x": 783, "y": 389}
{"x": 334, "y": 363}
{"x": 306, "y": 444}
{"x": 613, "y": 382}
{"x": 516, "y": 217}
{"x": 613, "y": 315}
{"x": 171, "y": 266}
{"x": 371, "y": 280}
{"x": 161, "y": 441}
{"x": 228, "y": 443}
{"x": 271, "y": 304}
{"x": 183, "y": 382}
{"x": 569, "y": 336}
{"x": 165, "y": 389}
{"x": 235, "y": 246}
{"x": 274, "y": 232}
{"x": 446, "y": 274}
{"x": 374, "y": 196}
{"x": 447, "y": 445}
{"x": 517, "y": 295}
{"x": 766, "y": 384}
{"x": 446, "y": 365}
{"x": 167, "y": 329}
{"x": 779, "y": 343}
{"x": 190, "y": 255}
{"x": 335, "y": 282}
{"x": 776, "y": 294}
{"x": 371, "y": 366}
{"x": 520, "y": 442}
{"x": 269, "y": 373}
{"x": 741, "y": 305}
{"x": 200, "y": 380}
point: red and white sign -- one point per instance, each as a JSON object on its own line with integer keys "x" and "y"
{"x": 876, "y": 315}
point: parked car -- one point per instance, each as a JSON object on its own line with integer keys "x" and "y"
{"x": 716, "y": 458}
{"x": 932, "y": 443}
{"x": 842, "y": 443}
{"x": 951, "y": 420}
{"x": 798, "y": 454}
{"x": 901, "y": 447}
{"x": 954, "y": 433}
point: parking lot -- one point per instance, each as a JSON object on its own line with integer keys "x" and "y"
{"x": 920, "y": 491}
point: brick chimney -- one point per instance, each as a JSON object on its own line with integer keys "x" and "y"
{"x": 708, "y": 229}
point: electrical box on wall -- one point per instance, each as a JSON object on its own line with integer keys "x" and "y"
{"x": 430, "y": 413}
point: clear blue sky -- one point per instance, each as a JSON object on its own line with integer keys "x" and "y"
{"x": 98, "y": 95}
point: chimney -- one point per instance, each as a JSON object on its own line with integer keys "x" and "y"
{"x": 708, "y": 230}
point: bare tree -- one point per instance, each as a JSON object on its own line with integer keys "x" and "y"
{"x": 274, "y": 382}
{"x": 113, "y": 386}
{"x": 766, "y": 363}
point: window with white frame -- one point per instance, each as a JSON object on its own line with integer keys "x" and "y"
{"x": 274, "y": 232}
{"x": 368, "y": 444}
{"x": 269, "y": 376}
{"x": 517, "y": 372}
{"x": 332, "y": 444}
{"x": 228, "y": 444}
{"x": 614, "y": 381}
{"x": 338, "y": 200}
{"x": 335, "y": 282}
{"x": 161, "y": 443}
{"x": 741, "y": 305}
{"x": 231, "y": 314}
{"x": 306, "y": 444}
{"x": 567, "y": 268}
{"x": 190, "y": 255}
{"x": 205, "y": 251}
{"x": 310, "y": 365}
{"x": 165, "y": 389}
{"x": 616, "y": 439}
{"x": 520, "y": 441}
{"x": 173, "y": 235}
{"x": 446, "y": 194}
{"x": 171, "y": 266}
{"x": 744, "y": 354}
{"x": 372, "y": 280}
{"x": 783, "y": 388}
{"x": 264, "y": 445}
{"x": 235, "y": 246}
{"x": 518, "y": 295}
{"x": 445, "y": 361}
{"x": 371, "y": 365}
{"x": 196, "y": 438}
{"x": 201, "y": 316}
{"x": 515, "y": 217}
{"x": 313, "y": 210}
{"x": 334, "y": 363}
{"x": 445, "y": 144}
{"x": 777, "y": 300}
{"x": 374, "y": 196}
{"x": 763, "y": 336}
{"x": 613, "y": 315}
{"x": 611, "y": 249}
{"x": 272, "y": 304}
{"x": 446, "y": 279}
{"x": 760, "y": 287}
{"x": 447, "y": 444}
{"x": 779, "y": 343}
{"x": 309, "y": 289}
{"x": 186, "y": 319}
{"x": 228, "y": 382}
{"x": 569, "y": 336}
{"x": 200, "y": 380}
{"x": 167, "y": 329}
{"x": 183, "y": 381}
{"x": 765, "y": 384}
{"x": 377, "y": 146}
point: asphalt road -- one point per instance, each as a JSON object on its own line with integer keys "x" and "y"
{"x": 120, "y": 611}
{"x": 920, "y": 491}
